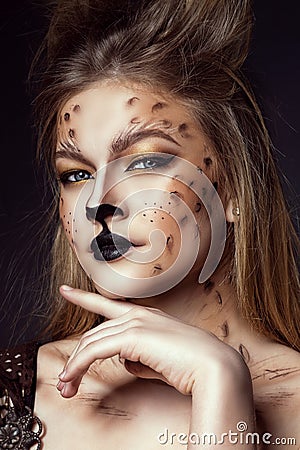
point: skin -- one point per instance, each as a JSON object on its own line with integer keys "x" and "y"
{"x": 174, "y": 360}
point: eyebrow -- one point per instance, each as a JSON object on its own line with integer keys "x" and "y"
{"x": 119, "y": 144}
{"x": 129, "y": 138}
{"x": 67, "y": 150}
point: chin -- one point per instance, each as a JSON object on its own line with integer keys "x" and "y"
{"x": 108, "y": 294}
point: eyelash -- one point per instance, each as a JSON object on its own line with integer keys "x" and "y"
{"x": 64, "y": 177}
{"x": 159, "y": 161}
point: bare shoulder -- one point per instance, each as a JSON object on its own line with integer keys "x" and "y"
{"x": 276, "y": 383}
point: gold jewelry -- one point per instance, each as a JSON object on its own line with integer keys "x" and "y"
{"x": 236, "y": 211}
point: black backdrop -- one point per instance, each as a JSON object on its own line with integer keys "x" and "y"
{"x": 273, "y": 66}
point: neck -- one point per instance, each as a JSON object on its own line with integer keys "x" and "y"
{"x": 212, "y": 306}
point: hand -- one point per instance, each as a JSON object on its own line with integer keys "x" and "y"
{"x": 154, "y": 344}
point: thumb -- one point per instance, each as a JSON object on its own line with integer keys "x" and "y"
{"x": 140, "y": 370}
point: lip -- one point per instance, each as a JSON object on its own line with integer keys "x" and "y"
{"x": 110, "y": 246}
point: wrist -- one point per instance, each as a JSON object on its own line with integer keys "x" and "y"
{"x": 229, "y": 371}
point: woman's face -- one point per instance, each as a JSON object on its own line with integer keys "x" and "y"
{"x": 138, "y": 196}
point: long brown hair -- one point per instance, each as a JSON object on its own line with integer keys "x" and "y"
{"x": 194, "y": 50}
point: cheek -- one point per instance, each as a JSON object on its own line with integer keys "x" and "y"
{"x": 68, "y": 221}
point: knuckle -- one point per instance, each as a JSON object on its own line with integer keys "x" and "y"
{"x": 84, "y": 341}
{"x": 136, "y": 322}
{"x": 139, "y": 313}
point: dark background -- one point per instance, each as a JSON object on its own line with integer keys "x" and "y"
{"x": 273, "y": 67}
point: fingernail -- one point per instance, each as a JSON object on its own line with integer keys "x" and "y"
{"x": 65, "y": 287}
{"x": 62, "y": 375}
{"x": 59, "y": 385}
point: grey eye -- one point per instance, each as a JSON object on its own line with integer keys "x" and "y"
{"x": 75, "y": 176}
{"x": 150, "y": 162}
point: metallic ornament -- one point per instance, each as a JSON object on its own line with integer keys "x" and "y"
{"x": 16, "y": 432}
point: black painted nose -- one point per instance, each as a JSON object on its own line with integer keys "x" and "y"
{"x": 99, "y": 213}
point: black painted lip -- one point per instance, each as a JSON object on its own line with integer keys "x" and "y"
{"x": 109, "y": 246}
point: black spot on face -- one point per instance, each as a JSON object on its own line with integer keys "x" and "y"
{"x": 76, "y": 108}
{"x": 207, "y": 161}
{"x": 184, "y": 220}
{"x": 198, "y": 207}
{"x": 183, "y": 130}
{"x": 225, "y": 329}
{"x": 219, "y": 298}
{"x": 166, "y": 123}
{"x": 244, "y": 352}
{"x": 208, "y": 285}
{"x": 132, "y": 100}
{"x": 191, "y": 183}
{"x": 135, "y": 120}
{"x": 178, "y": 194}
{"x": 71, "y": 133}
{"x": 158, "y": 106}
{"x": 67, "y": 117}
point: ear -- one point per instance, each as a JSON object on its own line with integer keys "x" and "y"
{"x": 231, "y": 212}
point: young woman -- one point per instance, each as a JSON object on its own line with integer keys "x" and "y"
{"x": 174, "y": 311}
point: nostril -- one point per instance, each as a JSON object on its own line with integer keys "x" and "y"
{"x": 99, "y": 213}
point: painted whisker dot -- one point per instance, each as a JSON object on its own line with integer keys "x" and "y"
{"x": 76, "y": 108}
{"x": 67, "y": 117}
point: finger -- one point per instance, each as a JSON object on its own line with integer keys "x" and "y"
{"x": 70, "y": 389}
{"x": 95, "y": 302}
{"x": 140, "y": 370}
{"x": 121, "y": 344}
{"x": 109, "y": 328}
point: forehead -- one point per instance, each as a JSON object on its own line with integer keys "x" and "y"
{"x": 111, "y": 107}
